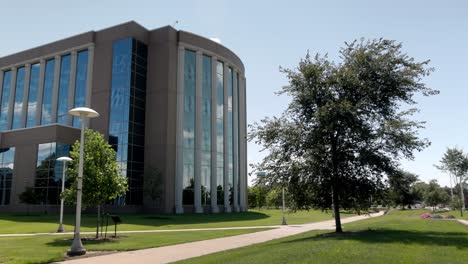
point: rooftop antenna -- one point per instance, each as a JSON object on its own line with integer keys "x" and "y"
{"x": 175, "y": 23}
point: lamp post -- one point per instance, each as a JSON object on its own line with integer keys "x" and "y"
{"x": 83, "y": 112}
{"x": 263, "y": 174}
{"x": 282, "y": 198}
{"x": 65, "y": 160}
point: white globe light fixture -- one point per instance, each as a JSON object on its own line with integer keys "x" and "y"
{"x": 64, "y": 160}
{"x": 83, "y": 112}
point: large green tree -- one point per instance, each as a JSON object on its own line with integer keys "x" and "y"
{"x": 102, "y": 180}
{"x": 435, "y": 195}
{"x": 347, "y": 126}
{"x": 400, "y": 190}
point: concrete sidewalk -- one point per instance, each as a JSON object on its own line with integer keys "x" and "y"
{"x": 463, "y": 222}
{"x": 178, "y": 252}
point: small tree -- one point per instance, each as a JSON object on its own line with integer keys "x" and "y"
{"x": 455, "y": 163}
{"x": 102, "y": 180}
{"x": 435, "y": 195}
{"x": 28, "y": 197}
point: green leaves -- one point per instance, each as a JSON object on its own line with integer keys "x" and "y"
{"x": 102, "y": 180}
{"x": 347, "y": 126}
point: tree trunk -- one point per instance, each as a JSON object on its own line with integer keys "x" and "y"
{"x": 97, "y": 221}
{"x": 451, "y": 188}
{"x": 336, "y": 210}
{"x": 462, "y": 195}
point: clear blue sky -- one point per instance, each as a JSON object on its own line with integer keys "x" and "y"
{"x": 267, "y": 34}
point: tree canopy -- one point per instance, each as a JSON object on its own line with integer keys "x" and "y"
{"x": 401, "y": 188}
{"x": 102, "y": 180}
{"x": 455, "y": 163}
{"x": 347, "y": 126}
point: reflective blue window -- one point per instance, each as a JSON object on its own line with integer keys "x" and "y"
{"x": 80, "y": 85}
{"x": 127, "y": 114}
{"x": 7, "y": 160}
{"x": 220, "y": 131}
{"x": 32, "y": 96}
{"x": 49, "y": 171}
{"x": 46, "y": 117}
{"x": 189, "y": 127}
{"x": 64, "y": 85}
{"x": 4, "y": 105}
{"x": 18, "y": 103}
{"x": 230, "y": 138}
{"x": 206, "y": 132}
{"x": 19, "y": 93}
{"x": 239, "y": 142}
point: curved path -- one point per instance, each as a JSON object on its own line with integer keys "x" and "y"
{"x": 178, "y": 252}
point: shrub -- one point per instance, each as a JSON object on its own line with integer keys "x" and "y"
{"x": 425, "y": 215}
{"x": 449, "y": 217}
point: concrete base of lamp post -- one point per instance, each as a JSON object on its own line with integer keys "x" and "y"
{"x": 60, "y": 229}
{"x": 77, "y": 248}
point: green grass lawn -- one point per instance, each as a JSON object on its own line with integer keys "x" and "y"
{"x": 400, "y": 237}
{"x": 21, "y": 223}
{"x": 456, "y": 214}
{"x": 46, "y": 248}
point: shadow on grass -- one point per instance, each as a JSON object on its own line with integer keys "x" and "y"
{"x": 61, "y": 242}
{"x": 383, "y": 236}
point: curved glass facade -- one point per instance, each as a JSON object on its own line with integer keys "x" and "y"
{"x": 216, "y": 92}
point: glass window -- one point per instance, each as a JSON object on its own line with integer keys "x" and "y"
{"x": 230, "y": 138}
{"x": 127, "y": 114}
{"x": 19, "y": 93}
{"x": 189, "y": 126}
{"x": 46, "y": 117}
{"x": 5, "y": 100}
{"x": 32, "y": 97}
{"x": 206, "y": 132}
{"x": 220, "y": 131}
{"x": 64, "y": 85}
{"x": 6, "y": 174}
{"x": 49, "y": 172}
{"x": 239, "y": 142}
{"x": 80, "y": 84}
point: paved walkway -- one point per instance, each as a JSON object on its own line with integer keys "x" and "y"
{"x": 463, "y": 222}
{"x": 178, "y": 252}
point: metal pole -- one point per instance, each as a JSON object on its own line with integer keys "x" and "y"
{"x": 60, "y": 228}
{"x": 284, "y": 217}
{"x": 77, "y": 247}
